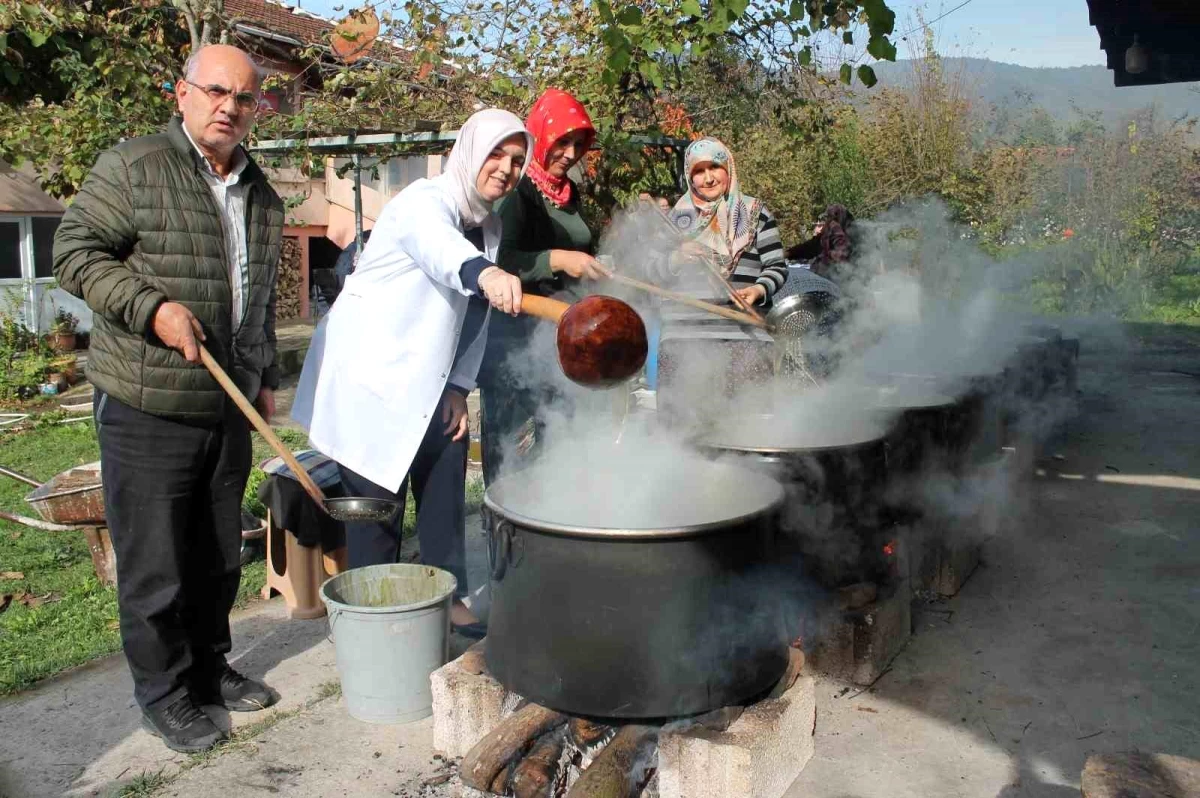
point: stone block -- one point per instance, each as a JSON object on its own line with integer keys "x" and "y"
{"x": 859, "y": 644}
{"x": 953, "y": 563}
{"x": 466, "y": 707}
{"x": 942, "y": 560}
{"x": 1140, "y": 774}
{"x": 759, "y": 756}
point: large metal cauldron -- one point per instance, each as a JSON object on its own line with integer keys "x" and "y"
{"x": 635, "y": 622}
{"x": 835, "y": 474}
{"x": 932, "y": 426}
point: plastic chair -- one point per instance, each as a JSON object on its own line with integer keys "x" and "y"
{"x": 297, "y": 572}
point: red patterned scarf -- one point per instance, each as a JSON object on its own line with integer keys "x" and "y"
{"x": 553, "y": 116}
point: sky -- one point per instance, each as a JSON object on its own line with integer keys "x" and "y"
{"x": 1036, "y": 33}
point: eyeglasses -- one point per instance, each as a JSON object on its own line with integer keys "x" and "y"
{"x": 245, "y": 100}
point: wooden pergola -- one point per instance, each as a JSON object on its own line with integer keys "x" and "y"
{"x": 1149, "y": 42}
{"x": 357, "y": 146}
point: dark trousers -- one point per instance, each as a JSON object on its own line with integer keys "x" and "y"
{"x": 173, "y": 498}
{"x": 439, "y": 475}
{"x": 504, "y": 412}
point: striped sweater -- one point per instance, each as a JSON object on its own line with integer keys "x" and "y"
{"x": 761, "y": 263}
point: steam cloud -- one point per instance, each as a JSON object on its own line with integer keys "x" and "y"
{"x": 930, "y": 319}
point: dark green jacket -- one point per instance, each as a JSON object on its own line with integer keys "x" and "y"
{"x": 532, "y": 226}
{"x": 145, "y": 229}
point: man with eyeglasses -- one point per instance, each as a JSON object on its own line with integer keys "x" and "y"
{"x": 174, "y": 240}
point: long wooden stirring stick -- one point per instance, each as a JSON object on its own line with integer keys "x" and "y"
{"x": 684, "y": 299}
{"x": 733, "y": 294}
{"x": 261, "y": 425}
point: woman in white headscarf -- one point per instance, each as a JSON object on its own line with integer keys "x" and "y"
{"x": 384, "y": 386}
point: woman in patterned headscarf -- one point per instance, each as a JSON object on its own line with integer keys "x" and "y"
{"x": 730, "y": 232}
{"x": 730, "y": 229}
{"x": 549, "y": 246}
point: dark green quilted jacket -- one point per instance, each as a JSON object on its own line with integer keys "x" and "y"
{"x": 145, "y": 229}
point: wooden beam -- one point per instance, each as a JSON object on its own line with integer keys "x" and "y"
{"x": 1143, "y": 13}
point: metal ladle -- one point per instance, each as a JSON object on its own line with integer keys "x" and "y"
{"x": 348, "y": 508}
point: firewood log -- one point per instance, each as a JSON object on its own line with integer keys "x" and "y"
{"x": 287, "y": 281}
{"x": 534, "y": 775}
{"x": 505, "y": 743}
{"x": 622, "y": 768}
{"x": 586, "y": 733}
{"x": 794, "y": 668}
{"x": 472, "y": 660}
{"x": 500, "y": 783}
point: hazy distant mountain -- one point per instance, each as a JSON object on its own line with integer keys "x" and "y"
{"x": 1058, "y": 90}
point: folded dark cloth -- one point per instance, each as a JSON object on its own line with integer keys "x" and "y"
{"x": 293, "y": 509}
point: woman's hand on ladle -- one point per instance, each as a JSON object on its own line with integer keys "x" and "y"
{"x": 579, "y": 265}
{"x": 454, "y": 414}
{"x": 501, "y": 289}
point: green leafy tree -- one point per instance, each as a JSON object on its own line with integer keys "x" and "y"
{"x": 80, "y": 76}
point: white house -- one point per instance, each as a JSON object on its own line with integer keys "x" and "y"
{"x": 28, "y": 219}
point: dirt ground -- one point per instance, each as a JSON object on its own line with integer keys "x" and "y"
{"x": 1080, "y": 634}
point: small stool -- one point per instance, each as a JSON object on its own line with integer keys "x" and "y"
{"x": 296, "y": 572}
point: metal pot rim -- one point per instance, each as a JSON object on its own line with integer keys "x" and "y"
{"x": 614, "y": 534}
{"x": 794, "y": 450}
{"x": 710, "y": 440}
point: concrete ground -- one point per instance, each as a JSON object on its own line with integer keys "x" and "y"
{"x": 1080, "y": 634}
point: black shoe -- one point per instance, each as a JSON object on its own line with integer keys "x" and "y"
{"x": 236, "y": 693}
{"x": 182, "y": 726}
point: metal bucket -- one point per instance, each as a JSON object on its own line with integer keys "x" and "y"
{"x": 391, "y": 630}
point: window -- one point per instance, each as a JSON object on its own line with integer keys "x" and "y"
{"x": 10, "y": 250}
{"x": 43, "y": 245}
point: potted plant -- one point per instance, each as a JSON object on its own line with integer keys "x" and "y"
{"x": 62, "y": 372}
{"x": 62, "y": 333}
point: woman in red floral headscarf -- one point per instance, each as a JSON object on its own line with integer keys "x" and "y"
{"x": 546, "y": 243}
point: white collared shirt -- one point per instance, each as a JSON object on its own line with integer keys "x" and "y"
{"x": 230, "y": 194}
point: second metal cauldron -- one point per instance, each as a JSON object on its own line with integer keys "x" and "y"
{"x": 835, "y": 474}
{"x": 630, "y": 622}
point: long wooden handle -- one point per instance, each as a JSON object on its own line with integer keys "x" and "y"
{"x": 261, "y": 425}
{"x": 544, "y": 308}
{"x": 729, "y": 289}
{"x": 684, "y": 299}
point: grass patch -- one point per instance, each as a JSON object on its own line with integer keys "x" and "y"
{"x": 254, "y": 577}
{"x": 329, "y": 689}
{"x": 69, "y": 617}
{"x": 143, "y": 786}
{"x": 1177, "y": 303}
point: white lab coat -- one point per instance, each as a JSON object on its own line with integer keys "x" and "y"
{"x": 379, "y": 362}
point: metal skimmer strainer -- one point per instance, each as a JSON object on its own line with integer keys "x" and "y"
{"x": 797, "y": 309}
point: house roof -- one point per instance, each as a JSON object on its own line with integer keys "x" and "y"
{"x": 275, "y": 18}
{"x": 279, "y": 18}
{"x": 1166, "y": 29}
{"x": 20, "y": 194}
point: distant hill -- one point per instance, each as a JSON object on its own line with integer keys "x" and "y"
{"x": 1089, "y": 88}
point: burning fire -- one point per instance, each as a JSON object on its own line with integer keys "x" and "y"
{"x": 889, "y": 548}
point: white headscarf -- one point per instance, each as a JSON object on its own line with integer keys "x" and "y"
{"x": 478, "y": 137}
